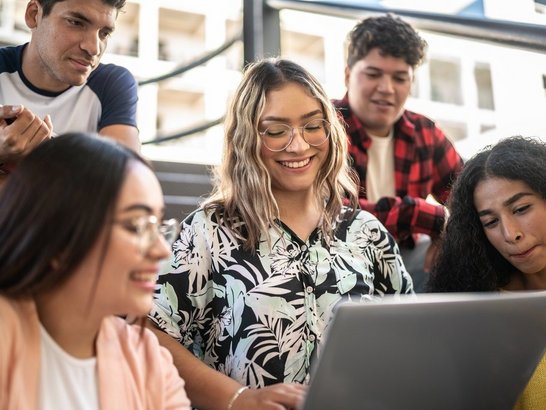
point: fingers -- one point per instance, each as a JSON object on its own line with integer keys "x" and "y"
{"x": 26, "y": 131}
{"x": 290, "y": 396}
{"x": 37, "y": 131}
{"x": 49, "y": 124}
{"x": 8, "y": 112}
{"x": 280, "y": 396}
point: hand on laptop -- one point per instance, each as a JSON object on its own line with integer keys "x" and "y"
{"x": 276, "y": 396}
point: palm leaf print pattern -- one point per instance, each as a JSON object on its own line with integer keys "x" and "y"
{"x": 259, "y": 316}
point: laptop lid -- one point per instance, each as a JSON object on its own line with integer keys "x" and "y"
{"x": 431, "y": 351}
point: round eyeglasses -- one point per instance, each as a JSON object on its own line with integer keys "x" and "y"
{"x": 278, "y": 137}
{"x": 149, "y": 228}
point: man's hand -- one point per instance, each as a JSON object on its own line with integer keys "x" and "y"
{"x": 21, "y": 131}
{"x": 275, "y": 397}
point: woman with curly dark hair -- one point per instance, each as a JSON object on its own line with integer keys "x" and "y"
{"x": 495, "y": 236}
{"x": 495, "y": 239}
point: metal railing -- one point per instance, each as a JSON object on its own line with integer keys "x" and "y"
{"x": 522, "y": 35}
{"x": 261, "y": 34}
{"x": 195, "y": 63}
{"x": 181, "y": 70}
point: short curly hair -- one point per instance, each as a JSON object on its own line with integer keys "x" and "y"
{"x": 393, "y": 36}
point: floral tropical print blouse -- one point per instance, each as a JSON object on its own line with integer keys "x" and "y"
{"x": 259, "y": 317}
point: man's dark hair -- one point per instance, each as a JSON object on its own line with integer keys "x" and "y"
{"x": 47, "y": 5}
{"x": 393, "y": 36}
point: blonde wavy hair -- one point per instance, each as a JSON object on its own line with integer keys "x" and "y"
{"x": 242, "y": 188}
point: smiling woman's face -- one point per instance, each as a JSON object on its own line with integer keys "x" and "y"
{"x": 295, "y": 168}
{"x": 128, "y": 271}
{"x": 514, "y": 220}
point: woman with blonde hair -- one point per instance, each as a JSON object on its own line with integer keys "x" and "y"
{"x": 259, "y": 267}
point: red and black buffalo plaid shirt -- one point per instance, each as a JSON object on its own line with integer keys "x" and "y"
{"x": 425, "y": 162}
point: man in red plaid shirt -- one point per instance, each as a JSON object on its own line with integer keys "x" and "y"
{"x": 400, "y": 156}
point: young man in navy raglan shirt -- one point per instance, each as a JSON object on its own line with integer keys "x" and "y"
{"x": 56, "y": 82}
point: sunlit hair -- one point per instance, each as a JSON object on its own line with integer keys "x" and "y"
{"x": 392, "y": 35}
{"x": 47, "y": 5}
{"x": 53, "y": 208}
{"x": 243, "y": 184}
{"x": 467, "y": 261}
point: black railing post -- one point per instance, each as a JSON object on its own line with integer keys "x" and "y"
{"x": 261, "y": 30}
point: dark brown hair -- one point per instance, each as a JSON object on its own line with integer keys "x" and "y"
{"x": 467, "y": 261}
{"x": 47, "y": 5}
{"x": 393, "y": 36}
{"x": 53, "y": 208}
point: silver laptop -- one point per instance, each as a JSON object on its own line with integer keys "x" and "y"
{"x": 436, "y": 351}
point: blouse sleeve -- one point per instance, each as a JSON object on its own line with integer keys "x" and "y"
{"x": 389, "y": 273}
{"x": 183, "y": 289}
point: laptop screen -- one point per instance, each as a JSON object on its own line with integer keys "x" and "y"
{"x": 431, "y": 351}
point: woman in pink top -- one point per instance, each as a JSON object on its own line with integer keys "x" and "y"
{"x": 81, "y": 242}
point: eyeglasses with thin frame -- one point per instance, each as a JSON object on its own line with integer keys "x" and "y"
{"x": 149, "y": 228}
{"x": 278, "y": 137}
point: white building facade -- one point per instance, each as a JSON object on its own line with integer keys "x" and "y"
{"x": 478, "y": 92}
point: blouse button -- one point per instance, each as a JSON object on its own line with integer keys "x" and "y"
{"x": 309, "y": 289}
{"x": 311, "y": 338}
{"x": 303, "y": 248}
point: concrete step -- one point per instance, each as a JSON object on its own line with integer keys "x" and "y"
{"x": 184, "y": 186}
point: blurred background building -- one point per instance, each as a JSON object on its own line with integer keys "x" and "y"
{"x": 473, "y": 89}
{"x": 477, "y": 91}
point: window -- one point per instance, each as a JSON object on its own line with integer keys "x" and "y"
{"x": 484, "y": 85}
{"x": 486, "y": 127}
{"x": 445, "y": 82}
{"x": 455, "y": 131}
{"x": 415, "y": 87}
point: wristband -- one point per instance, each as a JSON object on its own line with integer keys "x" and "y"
{"x": 235, "y": 396}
